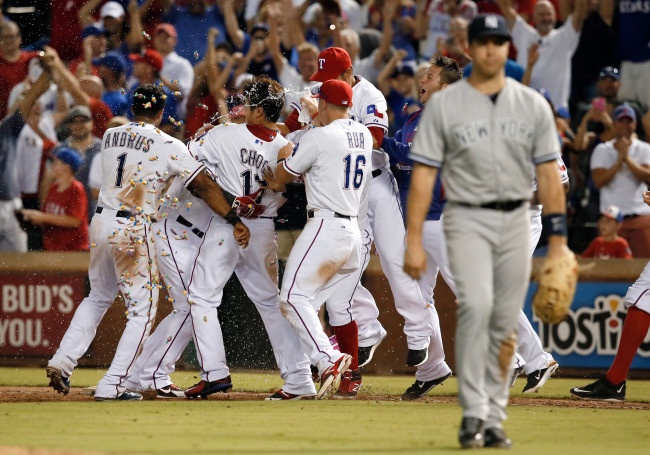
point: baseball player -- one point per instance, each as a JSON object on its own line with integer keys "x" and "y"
{"x": 234, "y": 152}
{"x": 486, "y": 152}
{"x": 138, "y": 161}
{"x": 382, "y": 225}
{"x": 612, "y": 386}
{"x": 334, "y": 161}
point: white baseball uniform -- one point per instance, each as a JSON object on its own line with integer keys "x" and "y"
{"x": 138, "y": 161}
{"x": 335, "y": 163}
{"x": 182, "y": 235}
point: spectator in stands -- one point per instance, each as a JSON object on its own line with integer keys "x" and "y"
{"x": 401, "y": 17}
{"x": 14, "y": 62}
{"x": 609, "y": 245}
{"x": 94, "y": 44}
{"x": 64, "y": 218}
{"x": 12, "y": 237}
{"x": 258, "y": 60}
{"x": 456, "y": 46}
{"x": 48, "y": 100}
{"x": 634, "y": 51}
{"x": 620, "y": 168}
{"x": 192, "y": 23}
{"x": 556, "y": 46}
{"x": 177, "y": 73}
{"x": 94, "y": 88}
{"x": 397, "y": 83}
{"x": 147, "y": 67}
{"x": 434, "y": 19}
{"x": 112, "y": 70}
{"x": 120, "y": 36}
{"x": 66, "y": 28}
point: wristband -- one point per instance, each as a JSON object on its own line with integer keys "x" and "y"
{"x": 232, "y": 218}
{"x": 555, "y": 224}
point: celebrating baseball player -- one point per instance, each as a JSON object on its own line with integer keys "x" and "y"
{"x": 334, "y": 161}
{"x": 486, "y": 152}
{"x": 138, "y": 161}
{"x": 236, "y": 153}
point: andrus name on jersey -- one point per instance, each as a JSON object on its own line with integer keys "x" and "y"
{"x": 355, "y": 140}
{"x": 130, "y": 140}
{"x": 252, "y": 158}
{"x": 473, "y": 132}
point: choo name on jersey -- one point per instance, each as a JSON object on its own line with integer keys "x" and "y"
{"x": 470, "y": 133}
{"x": 129, "y": 140}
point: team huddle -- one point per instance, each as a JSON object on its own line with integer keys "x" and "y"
{"x": 186, "y": 216}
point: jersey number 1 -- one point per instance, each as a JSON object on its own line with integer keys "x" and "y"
{"x": 358, "y": 173}
{"x": 120, "y": 170}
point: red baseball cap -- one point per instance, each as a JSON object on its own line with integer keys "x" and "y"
{"x": 150, "y": 57}
{"x": 335, "y": 92}
{"x": 331, "y": 63}
{"x": 167, "y": 28}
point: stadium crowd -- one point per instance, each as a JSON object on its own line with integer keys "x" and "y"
{"x": 590, "y": 59}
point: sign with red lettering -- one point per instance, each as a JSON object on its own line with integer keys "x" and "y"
{"x": 36, "y": 311}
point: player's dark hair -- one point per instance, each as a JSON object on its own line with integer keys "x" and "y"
{"x": 148, "y": 100}
{"x": 264, "y": 92}
{"x": 450, "y": 72}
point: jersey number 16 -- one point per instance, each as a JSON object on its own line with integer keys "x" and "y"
{"x": 357, "y": 178}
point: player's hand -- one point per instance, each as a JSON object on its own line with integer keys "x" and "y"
{"x": 646, "y": 197}
{"x": 415, "y": 259}
{"x": 242, "y": 234}
{"x": 308, "y": 103}
{"x": 246, "y": 206}
{"x": 271, "y": 182}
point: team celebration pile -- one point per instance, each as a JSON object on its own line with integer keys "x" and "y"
{"x": 175, "y": 140}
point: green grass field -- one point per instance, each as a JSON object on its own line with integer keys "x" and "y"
{"x": 318, "y": 427}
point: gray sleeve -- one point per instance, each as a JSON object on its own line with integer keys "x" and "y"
{"x": 546, "y": 145}
{"x": 428, "y": 146}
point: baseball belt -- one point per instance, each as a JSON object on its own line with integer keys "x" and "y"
{"x": 311, "y": 213}
{"x": 504, "y": 206}
{"x": 199, "y": 233}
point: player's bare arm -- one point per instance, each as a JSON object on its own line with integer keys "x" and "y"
{"x": 208, "y": 190}
{"x": 419, "y": 200}
{"x": 551, "y": 195}
{"x": 277, "y": 179}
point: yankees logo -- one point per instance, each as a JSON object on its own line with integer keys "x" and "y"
{"x": 491, "y": 21}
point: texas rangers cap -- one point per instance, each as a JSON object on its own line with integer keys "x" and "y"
{"x": 335, "y": 92}
{"x": 624, "y": 110}
{"x": 92, "y": 30}
{"x": 609, "y": 71}
{"x": 111, "y": 9}
{"x": 488, "y": 25}
{"x": 69, "y": 156}
{"x": 167, "y": 28}
{"x": 614, "y": 213}
{"x": 112, "y": 60}
{"x": 331, "y": 63}
{"x": 149, "y": 57}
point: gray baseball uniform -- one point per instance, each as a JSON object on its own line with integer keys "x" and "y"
{"x": 486, "y": 153}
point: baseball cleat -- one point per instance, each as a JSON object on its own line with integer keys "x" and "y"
{"x": 470, "y": 434}
{"x": 331, "y": 377}
{"x": 124, "y": 396}
{"x": 515, "y": 372}
{"x": 496, "y": 438}
{"x": 204, "y": 388}
{"x": 349, "y": 386}
{"x": 417, "y": 357}
{"x": 57, "y": 381}
{"x": 421, "y": 388}
{"x": 537, "y": 379}
{"x": 601, "y": 390}
{"x": 366, "y": 352}
{"x": 281, "y": 395}
{"x": 170, "y": 391}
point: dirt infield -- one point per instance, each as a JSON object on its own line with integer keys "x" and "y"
{"x": 45, "y": 394}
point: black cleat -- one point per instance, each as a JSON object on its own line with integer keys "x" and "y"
{"x": 470, "y": 434}
{"x": 497, "y": 439}
{"x": 415, "y": 358}
{"x": 421, "y": 388}
{"x": 366, "y": 352}
{"x": 57, "y": 381}
{"x": 538, "y": 378}
{"x": 171, "y": 391}
{"x": 204, "y": 388}
{"x": 601, "y": 390}
{"x": 515, "y": 373}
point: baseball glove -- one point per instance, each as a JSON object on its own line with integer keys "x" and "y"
{"x": 247, "y": 206}
{"x": 557, "y": 286}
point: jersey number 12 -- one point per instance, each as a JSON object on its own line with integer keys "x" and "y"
{"x": 357, "y": 178}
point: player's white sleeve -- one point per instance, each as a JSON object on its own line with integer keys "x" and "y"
{"x": 564, "y": 173}
{"x": 546, "y": 147}
{"x": 374, "y": 110}
{"x": 304, "y": 155}
{"x": 181, "y": 163}
{"x": 95, "y": 174}
{"x": 429, "y": 144}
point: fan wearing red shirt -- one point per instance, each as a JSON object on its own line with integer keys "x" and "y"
{"x": 609, "y": 244}
{"x": 64, "y": 218}
{"x": 14, "y": 62}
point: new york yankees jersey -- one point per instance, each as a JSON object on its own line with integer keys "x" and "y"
{"x": 237, "y": 155}
{"x": 335, "y": 163}
{"x": 486, "y": 151}
{"x": 138, "y": 162}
